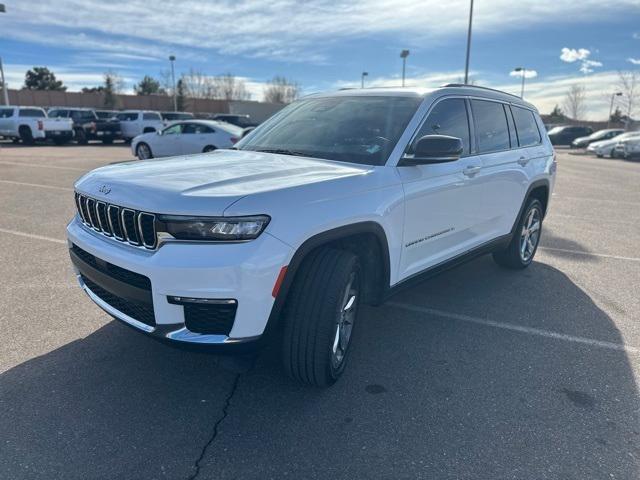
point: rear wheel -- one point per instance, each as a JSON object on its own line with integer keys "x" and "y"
{"x": 143, "y": 151}
{"x": 81, "y": 136}
{"x": 524, "y": 244}
{"x": 26, "y": 135}
{"x": 320, "y": 316}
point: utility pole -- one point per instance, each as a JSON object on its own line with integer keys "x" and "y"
{"x": 404, "y": 54}
{"x": 613, "y": 96}
{"x": 364, "y": 74}
{"x": 524, "y": 73}
{"x": 466, "y": 64}
{"x": 172, "y": 58}
{"x": 2, "y": 82}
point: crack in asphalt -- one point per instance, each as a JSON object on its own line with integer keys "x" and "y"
{"x": 225, "y": 413}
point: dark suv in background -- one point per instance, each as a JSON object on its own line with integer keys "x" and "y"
{"x": 88, "y": 126}
{"x": 242, "y": 121}
{"x": 564, "y": 135}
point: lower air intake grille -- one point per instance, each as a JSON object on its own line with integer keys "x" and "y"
{"x": 138, "y": 311}
{"x": 212, "y": 319}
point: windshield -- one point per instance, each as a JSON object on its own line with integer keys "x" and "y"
{"x": 358, "y": 129}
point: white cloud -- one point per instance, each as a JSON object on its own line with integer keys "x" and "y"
{"x": 527, "y": 73}
{"x": 287, "y": 30}
{"x": 635, "y": 61}
{"x": 571, "y": 55}
{"x": 73, "y": 79}
{"x": 636, "y": 36}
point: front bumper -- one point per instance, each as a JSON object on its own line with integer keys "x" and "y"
{"x": 244, "y": 272}
{"x": 59, "y": 134}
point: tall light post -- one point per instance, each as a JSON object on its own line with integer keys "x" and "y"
{"x": 466, "y": 63}
{"x": 613, "y": 96}
{"x": 403, "y": 55}
{"x": 2, "y": 82}
{"x": 172, "y": 58}
{"x": 364, "y": 74}
{"x": 524, "y": 74}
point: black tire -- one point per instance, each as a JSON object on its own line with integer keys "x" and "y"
{"x": 81, "y": 136}
{"x": 26, "y": 135}
{"x": 59, "y": 141}
{"x": 140, "y": 151}
{"x": 208, "y": 148}
{"x": 107, "y": 141}
{"x": 314, "y": 314}
{"x": 513, "y": 256}
{"x": 599, "y": 155}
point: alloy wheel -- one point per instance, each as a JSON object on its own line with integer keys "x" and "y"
{"x": 530, "y": 234}
{"x": 344, "y": 325}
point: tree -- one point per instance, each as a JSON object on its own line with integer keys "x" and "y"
{"x": 617, "y": 118}
{"x": 149, "y": 86}
{"x": 181, "y": 100}
{"x": 41, "y": 78}
{"x": 227, "y": 87}
{"x": 629, "y": 85}
{"x": 574, "y": 102}
{"x": 557, "y": 115}
{"x": 99, "y": 89}
{"x": 281, "y": 90}
{"x": 197, "y": 84}
{"x": 113, "y": 85}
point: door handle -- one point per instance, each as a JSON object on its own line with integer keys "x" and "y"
{"x": 523, "y": 161}
{"x": 471, "y": 170}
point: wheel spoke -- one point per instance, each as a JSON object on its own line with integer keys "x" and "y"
{"x": 350, "y": 303}
{"x": 336, "y": 340}
{"x": 535, "y": 227}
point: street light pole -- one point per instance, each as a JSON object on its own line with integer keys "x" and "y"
{"x": 364, "y": 74}
{"x": 524, "y": 73}
{"x": 2, "y": 82}
{"x": 172, "y": 59}
{"x": 404, "y": 54}
{"x": 466, "y": 65}
{"x": 613, "y": 96}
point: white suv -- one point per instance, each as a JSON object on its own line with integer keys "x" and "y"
{"x": 340, "y": 199}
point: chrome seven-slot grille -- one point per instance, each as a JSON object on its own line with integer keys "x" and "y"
{"x": 120, "y": 223}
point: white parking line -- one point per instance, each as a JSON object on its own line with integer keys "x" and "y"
{"x": 31, "y": 235}
{"x": 37, "y": 185}
{"x": 58, "y": 167}
{"x": 517, "y": 328}
{"x": 589, "y": 254}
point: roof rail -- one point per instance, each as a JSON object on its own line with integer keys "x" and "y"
{"x": 478, "y": 86}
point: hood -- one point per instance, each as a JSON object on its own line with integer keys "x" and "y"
{"x": 206, "y": 184}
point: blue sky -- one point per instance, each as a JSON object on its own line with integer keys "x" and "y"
{"x": 325, "y": 44}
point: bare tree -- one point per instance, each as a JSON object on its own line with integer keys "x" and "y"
{"x": 228, "y": 87}
{"x": 574, "y": 101}
{"x": 281, "y": 90}
{"x": 629, "y": 85}
{"x": 198, "y": 85}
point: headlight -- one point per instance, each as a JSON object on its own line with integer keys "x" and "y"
{"x": 213, "y": 228}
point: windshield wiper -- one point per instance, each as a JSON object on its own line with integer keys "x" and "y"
{"x": 283, "y": 151}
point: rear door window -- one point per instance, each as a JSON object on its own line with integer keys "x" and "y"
{"x": 127, "y": 117}
{"x": 32, "y": 112}
{"x": 151, "y": 116}
{"x": 492, "y": 131}
{"x": 527, "y": 127}
{"x": 448, "y": 117}
{"x": 6, "y": 112}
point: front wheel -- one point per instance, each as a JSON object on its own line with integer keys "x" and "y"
{"x": 524, "y": 244}
{"x": 143, "y": 151}
{"x": 320, "y": 315}
{"x": 208, "y": 148}
{"x": 81, "y": 137}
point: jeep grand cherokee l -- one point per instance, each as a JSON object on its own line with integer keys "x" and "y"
{"x": 338, "y": 200}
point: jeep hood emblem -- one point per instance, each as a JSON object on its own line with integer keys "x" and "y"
{"x": 104, "y": 189}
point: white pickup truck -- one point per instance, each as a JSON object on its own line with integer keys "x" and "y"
{"x": 31, "y": 123}
{"x": 137, "y": 122}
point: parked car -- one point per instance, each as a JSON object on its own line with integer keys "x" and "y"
{"x": 186, "y": 138}
{"x": 628, "y": 149}
{"x": 136, "y": 122}
{"x": 566, "y": 134}
{"x": 340, "y": 200}
{"x": 106, "y": 114}
{"x": 606, "y": 134}
{"x": 87, "y": 126}
{"x": 173, "y": 116}
{"x": 242, "y": 121}
{"x": 606, "y": 148}
{"x": 29, "y": 124}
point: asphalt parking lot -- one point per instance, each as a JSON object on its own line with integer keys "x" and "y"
{"x": 479, "y": 373}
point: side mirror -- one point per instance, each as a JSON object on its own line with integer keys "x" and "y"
{"x": 434, "y": 149}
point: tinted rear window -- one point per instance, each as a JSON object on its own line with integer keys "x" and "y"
{"x": 151, "y": 116}
{"x": 490, "y": 121}
{"x": 129, "y": 116}
{"x": 528, "y": 133}
{"x": 6, "y": 112}
{"x": 32, "y": 112}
